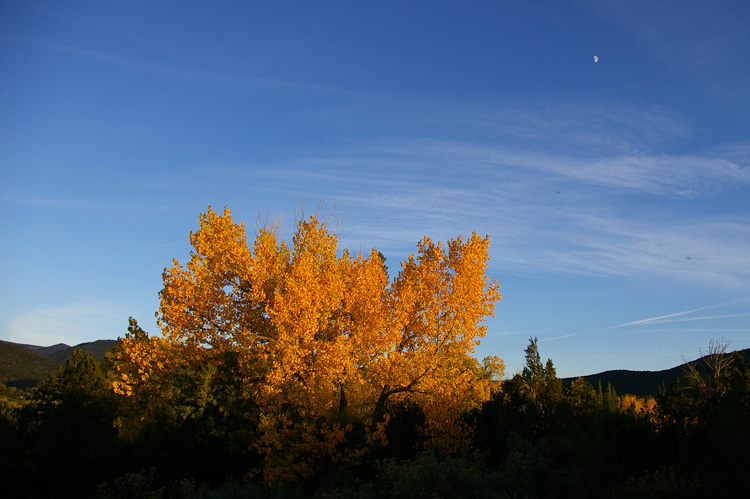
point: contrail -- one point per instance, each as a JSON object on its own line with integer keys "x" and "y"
{"x": 687, "y": 319}
{"x": 693, "y": 330}
{"x": 560, "y": 337}
{"x": 661, "y": 319}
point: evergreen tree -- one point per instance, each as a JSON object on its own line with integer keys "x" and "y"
{"x": 533, "y": 371}
{"x": 70, "y": 434}
{"x": 552, "y": 385}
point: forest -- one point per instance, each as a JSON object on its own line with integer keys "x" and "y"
{"x": 300, "y": 370}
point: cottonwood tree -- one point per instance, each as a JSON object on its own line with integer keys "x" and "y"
{"x": 323, "y": 342}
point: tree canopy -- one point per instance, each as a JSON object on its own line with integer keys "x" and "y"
{"x": 322, "y": 341}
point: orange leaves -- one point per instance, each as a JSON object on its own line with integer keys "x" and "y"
{"x": 642, "y": 406}
{"x": 323, "y": 337}
{"x": 438, "y": 303}
{"x": 140, "y": 364}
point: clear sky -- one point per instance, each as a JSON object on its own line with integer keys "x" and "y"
{"x": 616, "y": 193}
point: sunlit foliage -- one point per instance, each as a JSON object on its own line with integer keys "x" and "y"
{"x": 323, "y": 342}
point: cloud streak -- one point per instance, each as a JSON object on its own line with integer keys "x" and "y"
{"x": 76, "y": 322}
{"x": 170, "y": 70}
{"x": 547, "y": 210}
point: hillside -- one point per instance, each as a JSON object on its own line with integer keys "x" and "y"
{"x": 48, "y": 351}
{"x": 96, "y": 348}
{"x": 635, "y": 382}
{"x": 22, "y": 367}
{"x": 640, "y": 382}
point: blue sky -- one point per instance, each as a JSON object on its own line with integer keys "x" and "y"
{"x": 616, "y": 193}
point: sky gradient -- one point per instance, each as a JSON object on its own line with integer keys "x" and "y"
{"x": 616, "y": 193}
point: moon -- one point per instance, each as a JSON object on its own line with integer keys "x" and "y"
{"x": 596, "y": 58}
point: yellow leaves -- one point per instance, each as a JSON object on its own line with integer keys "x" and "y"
{"x": 323, "y": 337}
{"x": 642, "y": 406}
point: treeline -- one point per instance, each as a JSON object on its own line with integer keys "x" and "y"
{"x": 532, "y": 438}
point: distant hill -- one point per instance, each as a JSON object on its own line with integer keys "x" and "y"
{"x": 48, "y": 351}
{"x": 640, "y": 382}
{"x": 96, "y": 348}
{"x": 22, "y": 367}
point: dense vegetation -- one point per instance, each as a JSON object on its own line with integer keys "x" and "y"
{"x": 532, "y": 438}
{"x": 300, "y": 371}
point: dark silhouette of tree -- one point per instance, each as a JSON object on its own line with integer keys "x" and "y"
{"x": 533, "y": 371}
{"x": 70, "y": 437}
{"x": 709, "y": 377}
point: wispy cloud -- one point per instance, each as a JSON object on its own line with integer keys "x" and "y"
{"x": 94, "y": 206}
{"x": 77, "y": 322}
{"x": 546, "y": 211}
{"x": 674, "y": 176}
{"x": 144, "y": 64}
{"x": 580, "y": 131}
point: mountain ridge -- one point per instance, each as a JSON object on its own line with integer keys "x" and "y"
{"x": 23, "y": 366}
{"x": 48, "y": 351}
{"x": 96, "y": 348}
{"x": 642, "y": 383}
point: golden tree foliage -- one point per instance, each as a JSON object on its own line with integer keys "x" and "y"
{"x": 324, "y": 339}
{"x": 141, "y": 365}
{"x": 640, "y": 406}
